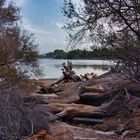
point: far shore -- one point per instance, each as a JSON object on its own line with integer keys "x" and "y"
{"x": 75, "y": 58}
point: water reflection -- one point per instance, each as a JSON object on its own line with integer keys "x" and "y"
{"x": 100, "y": 67}
{"x": 52, "y": 68}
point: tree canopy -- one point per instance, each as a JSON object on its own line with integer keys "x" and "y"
{"x": 109, "y": 23}
{"x": 94, "y": 53}
{"x": 117, "y": 15}
{"x": 17, "y": 47}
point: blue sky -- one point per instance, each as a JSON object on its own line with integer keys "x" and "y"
{"x": 45, "y": 20}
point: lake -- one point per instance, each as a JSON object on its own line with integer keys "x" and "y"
{"x": 51, "y": 68}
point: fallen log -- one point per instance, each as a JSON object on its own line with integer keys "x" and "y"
{"x": 87, "y": 120}
{"x": 48, "y": 90}
{"x": 40, "y": 98}
{"x": 58, "y": 80}
{"x": 117, "y": 103}
{"x": 75, "y": 110}
{"x": 94, "y": 95}
{"x": 96, "y": 99}
{"x": 110, "y": 108}
{"x": 81, "y": 138}
{"x": 63, "y": 131}
{"x": 96, "y": 88}
{"x": 104, "y": 75}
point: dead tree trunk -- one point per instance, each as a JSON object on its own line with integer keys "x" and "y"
{"x": 68, "y": 74}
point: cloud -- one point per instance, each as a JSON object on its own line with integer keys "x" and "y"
{"x": 59, "y": 25}
{"x": 20, "y": 3}
{"x": 35, "y": 29}
{"x": 48, "y": 41}
{"x": 27, "y": 25}
{"x": 57, "y": 41}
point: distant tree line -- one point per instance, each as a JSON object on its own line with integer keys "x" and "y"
{"x": 94, "y": 53}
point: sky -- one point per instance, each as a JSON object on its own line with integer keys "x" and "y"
{"x": 45, "y": 20}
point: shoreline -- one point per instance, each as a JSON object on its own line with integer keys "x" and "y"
{"x": 47, "y": 81}
{"x": 103, "y": 93}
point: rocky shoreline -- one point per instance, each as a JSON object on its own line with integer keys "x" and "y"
{"x": 107, "y": 107}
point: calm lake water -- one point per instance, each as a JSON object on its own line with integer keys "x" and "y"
{"x": 51, "y": 68}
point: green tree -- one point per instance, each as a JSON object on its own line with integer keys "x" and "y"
{"x": 59, "y": 54}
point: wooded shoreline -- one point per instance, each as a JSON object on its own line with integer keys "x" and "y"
{"x": 93, "y": 54}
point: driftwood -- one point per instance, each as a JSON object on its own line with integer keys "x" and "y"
{"x": 87, "y": 120}
{"x": 48, "y": 90}
{"x": 63, "y": 131}
{"x": 94, "y": 95}
{"x": 58, "y": 80}
{"x": 110, "y": 108}
{"x": 94, "y": 98}
{"x": 68, "y": 74}
{"x": 88, "y": 76}
{"x": 98, "y": 89}
{"x": 75, "y": 110}
{"x": 40, "y": 98}
{"x": 117, "y": 103}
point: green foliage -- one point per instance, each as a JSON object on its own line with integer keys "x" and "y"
{"x": 95, "y": 53}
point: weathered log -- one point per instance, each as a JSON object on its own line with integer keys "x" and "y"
{"x": 96, "y": 99}
{"x": 88, "y": 76}
{"x": 87, "y": 120}
{"x": 117, "y": 103}
{"x": 63, "y": 131}
{"x": 95, "y": 88}
{"x": 58, "y": 80}
{"x": 112, "y": 107}
{"x": 75, "y": 110}
{"x": 48, "y": 90}
{"x": 104, "y": 75}
{"x": 94, "y": 95}
{"x": 40, "y": 98}
{"x": 68, "y": 74}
